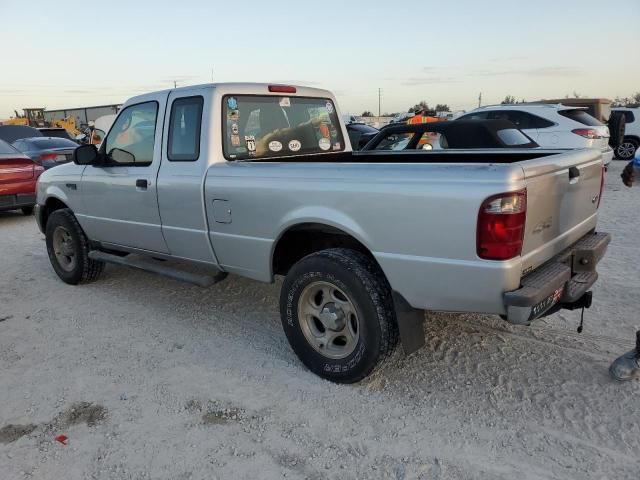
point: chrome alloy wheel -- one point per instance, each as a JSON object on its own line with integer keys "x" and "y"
{"x": 63, "y": 249}
{"x": 328, "y": 320}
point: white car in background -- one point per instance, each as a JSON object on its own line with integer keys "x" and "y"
{"x": 552, "y": 125}
{"x": 627, "y": 149}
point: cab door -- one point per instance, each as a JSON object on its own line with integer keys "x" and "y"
{"x": 188, "y": 134}
{"x": 120, "y": 194}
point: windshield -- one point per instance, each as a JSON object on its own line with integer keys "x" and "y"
{"x": 274, "y": 126}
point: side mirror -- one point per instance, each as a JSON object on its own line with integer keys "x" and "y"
{"x": 85, "y": 155}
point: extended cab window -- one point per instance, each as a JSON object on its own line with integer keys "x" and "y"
{"x": 275, "y": 126}
{"x": 184, "y": 129}
{"x": 131, "y": 140}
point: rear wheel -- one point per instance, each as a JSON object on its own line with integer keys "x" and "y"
{"x": 68, "y": 249}
{"x": 27, "y": 211}
{"x": 337, "y": 312}
{"x": 627, "y": 149}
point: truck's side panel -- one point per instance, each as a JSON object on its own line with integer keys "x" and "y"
{"x": 430, "y": 261}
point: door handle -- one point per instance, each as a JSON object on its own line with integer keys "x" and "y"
{"x": 142, "y": 183}
{"x": 574, "y": 174}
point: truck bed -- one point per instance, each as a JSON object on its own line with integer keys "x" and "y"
{"x": 495, "y": 156}
{"x": 416, "y": 212}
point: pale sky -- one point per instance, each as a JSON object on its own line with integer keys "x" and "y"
{"x": 67, "y": 54}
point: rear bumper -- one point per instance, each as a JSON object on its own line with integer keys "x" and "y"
{"x": 607, "y": 156}
{"x": 562, "y": 281}
{"x": 19, "y": 200}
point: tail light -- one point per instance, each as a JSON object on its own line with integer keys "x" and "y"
{"x": 501, "y": 223}
{"x": 48, "y": 156}
{"x": 589, "y": 133}
{"x": 602, "y": 173}
{"x": 282, "y": 89}
{"x": 37, "y": 170}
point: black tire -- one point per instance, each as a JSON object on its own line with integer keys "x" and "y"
{"x": 83, "y": 269}
{"x": 617, "y": 127}
{"x": 27, "y": 211}
{"x": 365, "y": 286}
{"x": 627, "y": 149}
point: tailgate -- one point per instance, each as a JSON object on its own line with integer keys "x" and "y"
{"x": 14, "y": 170}
{"x": 563, "y": 192}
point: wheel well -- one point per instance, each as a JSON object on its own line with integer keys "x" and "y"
{"x": 632, "y": 137}
{"x": 305, "y": 239}
{"x": 51, "y": 205}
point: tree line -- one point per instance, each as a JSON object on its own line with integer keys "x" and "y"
{"x": 423, "y": 106}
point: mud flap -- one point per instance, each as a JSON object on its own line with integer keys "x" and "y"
{"x": 410, "y": 321}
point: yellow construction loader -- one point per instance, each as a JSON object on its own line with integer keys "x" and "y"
{"x": 34, "y": 117}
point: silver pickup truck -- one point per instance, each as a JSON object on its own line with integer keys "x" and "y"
{"x": 259, "y": 180}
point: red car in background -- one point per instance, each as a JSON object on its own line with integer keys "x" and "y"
{"x": 18, "y": 177}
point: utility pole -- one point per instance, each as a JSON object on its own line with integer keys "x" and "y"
{"x": 212, "y": 75}
{"x": 480, "y": 100}
{"x": 174, "y": 84}
{"x": 379, "y": 100}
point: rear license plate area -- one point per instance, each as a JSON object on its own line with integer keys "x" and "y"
{"x": 543, "y": 306}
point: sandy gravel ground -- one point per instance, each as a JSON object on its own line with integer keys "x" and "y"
{"x": 153, "y": 379}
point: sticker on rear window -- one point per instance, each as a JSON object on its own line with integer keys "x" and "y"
{"x": 235, "y": 140}
{"x": 250, "y": 142}
{"x": 233, "y": 115}
{"x": 295, "y": 145}
{"x": 337, "y": 146}
{"x": 329, "y": 107}
{"x": 232, "y": 103}
{"x": 285, "y": 102}
{"x": 324, "y": 144}
{"x": 275, "y": 146}
{"x": 234, "y": 128}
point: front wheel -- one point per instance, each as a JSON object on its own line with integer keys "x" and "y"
{"x": 68, "y": 249}
{"x": 627, "y": 149}
{"x": 337, "y": 312}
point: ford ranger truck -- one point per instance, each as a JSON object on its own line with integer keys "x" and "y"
{"x": 260, "y": 181}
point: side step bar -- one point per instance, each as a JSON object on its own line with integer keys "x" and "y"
{"x": 141, "y": 262}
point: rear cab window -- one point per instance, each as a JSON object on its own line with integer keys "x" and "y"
{"x": 256, "y": 126}
{"x": 581, "y": 116}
